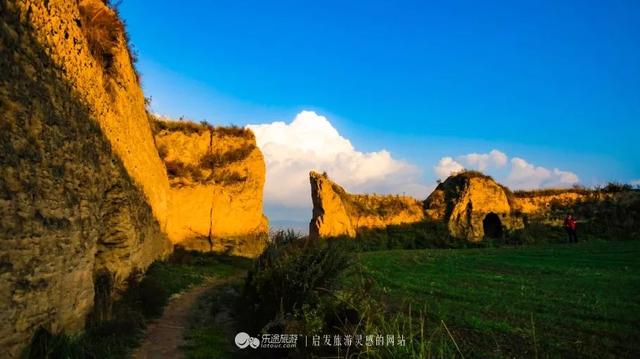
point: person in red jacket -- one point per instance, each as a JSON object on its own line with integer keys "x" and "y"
{"x": 570, "y": 227}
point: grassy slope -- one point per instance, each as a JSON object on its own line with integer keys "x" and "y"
{"x": 580, "y": 300}
{"x": 177, "y": 275}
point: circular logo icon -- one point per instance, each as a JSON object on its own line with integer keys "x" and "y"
{"x": 243, "y": 340}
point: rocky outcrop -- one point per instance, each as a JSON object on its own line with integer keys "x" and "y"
{"x": 217, "y": 177}
{"x": 539, "y": 203}
{"x": 472, "y": 204}
{"x": 72, "y": 35}
{"x": 83, "y": 192}
{"x": 338, "y": 213}
{"x": 330, "y": 218}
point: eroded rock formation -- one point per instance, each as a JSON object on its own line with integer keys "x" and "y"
{"x": 337, "y": 213}
{"x": 83, "y": 192}
{"x": 217, "y": 177}
{"x": 475, "y": 206}
{"x": 472, "y": 204}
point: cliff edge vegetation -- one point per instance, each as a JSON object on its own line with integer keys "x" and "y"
{"x": 216, "y": 179}
{"x": 337, "y": 212}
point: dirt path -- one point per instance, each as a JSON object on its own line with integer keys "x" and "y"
{"x": 164, "y": 336}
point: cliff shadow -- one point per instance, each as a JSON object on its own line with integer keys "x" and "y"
{"x": 69, "y": 208}
{"x": 492, "y": 226}
{"x": 248, "y": 246}
{"x": 417, "y": 235}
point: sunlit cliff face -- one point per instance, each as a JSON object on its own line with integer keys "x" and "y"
{"x": 338, "y": 213}
{"x": 216, "y": 177}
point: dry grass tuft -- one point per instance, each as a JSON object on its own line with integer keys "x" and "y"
{"x": 103, "y": 29}
{"x": 226, "y": 177}
{"x": 186, "y": 127}
{"x": 234, "y": 131}
{"x": 371, "y": 204}
{"x": 215, "y": 160}
{"x": 180, "y": 170}
{"x": 189, "y": 127}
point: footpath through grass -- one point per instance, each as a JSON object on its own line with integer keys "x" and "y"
{"x": 578, "y": 300}
{"x": 143, "y": 301}
{"x": 188, "y": 268}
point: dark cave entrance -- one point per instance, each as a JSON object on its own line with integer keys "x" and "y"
{"x": 492, "y": 226}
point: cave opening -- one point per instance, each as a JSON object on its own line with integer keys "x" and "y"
{"x": 492, "y": 226}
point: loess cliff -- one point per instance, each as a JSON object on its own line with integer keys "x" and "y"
{"x": 338, "y": 213}
{"x": 474, "y": 206}
{"x": 83, "y": 192}
{"x": 217, "y": 177}
{"x": 540, "y": 203}
{"x": 471, "y": 204}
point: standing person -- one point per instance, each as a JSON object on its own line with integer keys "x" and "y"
{"x": 570, "y": 227}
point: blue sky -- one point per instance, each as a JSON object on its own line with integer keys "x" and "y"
{"x": 554, "y": 82}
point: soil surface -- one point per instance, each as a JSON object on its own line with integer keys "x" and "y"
{"x": 164, "y": 336}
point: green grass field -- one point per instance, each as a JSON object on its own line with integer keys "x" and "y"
{"x": 558, "y": 300}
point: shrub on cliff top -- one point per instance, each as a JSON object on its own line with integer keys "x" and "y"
{"x": 179, "y": 169}
{"x": 370, "y": 204}
{"x": 163, "y": 151}
{"x": 616, "y": 187}
{"x": 472, "y": 174}
{"x": 102, "y": 27}
{"x": 374, "y": 205}
{"x": 186, "y": 127}
{"x": 176, "y": 169}
{"x": 226, "y": 177}
{"x": 215, "y": 160}
{"x": 549, "y": 192}
{"x": 234, "y": 131}
{"x": 189, "y": 127}
{"x": 611, "y": 187}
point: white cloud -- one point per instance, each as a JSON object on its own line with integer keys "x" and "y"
{"x": 446, "y": 167}
{"x": 483, "y": 161}
{"x": 524, "y": 175}
{"x": 635, "y": 182}
{"x": 520, "y": 173}
{"x": 565, "y": 178}
{"x": 310, "y": 142}
{"x": 476, "y": 161}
